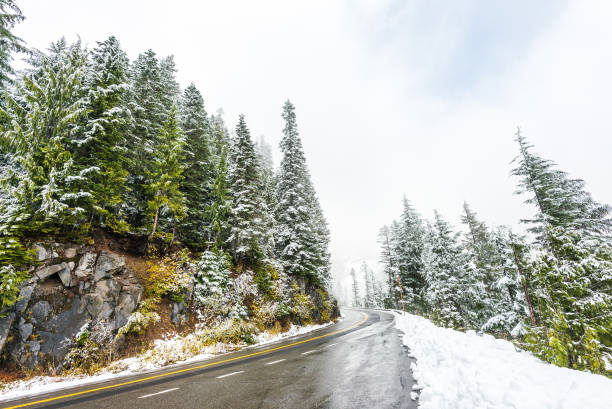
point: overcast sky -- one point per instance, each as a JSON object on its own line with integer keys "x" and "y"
{"x": 393, "y": 97}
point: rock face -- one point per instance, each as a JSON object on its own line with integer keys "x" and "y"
{"x": 80, "y": 289}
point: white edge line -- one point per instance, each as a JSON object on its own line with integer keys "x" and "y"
{"x": 331, "y": 345}
{"x": 229, "y": 374}
{"x": 157, "y": 393}
{"x": 275, "y": 362}
{"x": 309, "y": 352}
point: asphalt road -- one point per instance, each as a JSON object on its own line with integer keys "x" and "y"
{"x": 357, "y": 363}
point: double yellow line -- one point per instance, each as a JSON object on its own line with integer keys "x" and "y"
{"x": 365, "y": 317}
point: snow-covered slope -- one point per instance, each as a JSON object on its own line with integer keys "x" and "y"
{"x": 459, "y": 370}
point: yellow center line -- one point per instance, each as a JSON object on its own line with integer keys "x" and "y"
{"x": 365, "y": 317}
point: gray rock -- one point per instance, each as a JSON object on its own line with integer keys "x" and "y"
{"x": 106, "y": 311}
{"x": 5, "y": 327}
{"x": 177, "y": 315}
{"x": 107, "y": 265}
{"x": 135, "y": 290}
{"x": 25, "y": 330}
{"x": 125, "y": 308}
{"x": 24, "y": 298}
{"x": 84, "y": 286}
{"x": 68, "y": 322}
{"x": 94, "y": 304}
{"x": 43, "y": 254}
{"x": 45, "y": 272}
{"x": 70, "y": 252}
{"x": 40, "y": 310}
{"x": 54, "y": 346}
{"x": 86, "y": 265}
{"x": 107, "y": 289}
{"x": 66, "y": 276}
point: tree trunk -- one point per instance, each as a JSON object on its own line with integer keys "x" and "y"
{"x": 524, "y": 284}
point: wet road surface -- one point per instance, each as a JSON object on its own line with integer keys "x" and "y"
{"x": 356, "y": 363}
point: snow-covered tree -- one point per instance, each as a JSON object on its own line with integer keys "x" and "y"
{"x": 45, "y": 118}
{"x": 302, "y": 235}
{"x": 198, "y": 171}
{"x": 166, "y": 174}
{"x": 357, "y": 301}
{"x": 444, "y": 272}
{"x": 10, "y": 14}
{"x": 249, "y": 215}
{"x": 97, "y": 149}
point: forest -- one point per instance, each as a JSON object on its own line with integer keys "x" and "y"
{"x": 549, "y": 288}
{"x": 91, "y": 141}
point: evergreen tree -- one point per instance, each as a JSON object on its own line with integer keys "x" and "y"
{"x": 356, "y": 296}
{"x": 97, "y": 150}
{"x": 560, "y": 201}
{"x": 198, "y": 171}
{"x": 248, "y": 215}
{"x": 148, "y": 112}
{"x": 410, "y": 243}
{"x": 388, "y": 255}
{"x": 45, "y": 118}
{"x": 302, "y": 235}
{"x": 443, "y": 268}
{"x": 166, "y": 174}
{"x": 10, "y": 14}
{"x": 219, "y": 209}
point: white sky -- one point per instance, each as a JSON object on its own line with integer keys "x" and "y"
{"x": 393, "y": 97}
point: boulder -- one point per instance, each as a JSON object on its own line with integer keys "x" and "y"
{"x": 107, "y": 265}
{"x": 5, "y": 326}
{"x": 94, "y": 304}
{"x": 25, "y": 330}
{"x": 66, "y": 276}
{"x": 45, "y": 272}
{"x": 127, "y": 305}
{"x": 178, "y": 313}
{"x": 42, "y": 254}
{"x": 40, "y": 311}
{"x": 107, "y": 289}
{"x": 70, "y": 252}
{"x": 24, "y": 298}
{"x": 86, "y": 265}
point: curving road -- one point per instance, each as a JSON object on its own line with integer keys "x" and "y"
{"x": 357, "y": 363}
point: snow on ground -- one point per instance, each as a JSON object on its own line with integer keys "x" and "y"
{"x": 464, "y": 370}
{"x": 172, "y": 351}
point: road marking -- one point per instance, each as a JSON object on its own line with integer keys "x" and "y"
{"x": 331, "y": 345}
{"x": 103, "y": 388}
{"x": 309, "y": 352}
{"x": 229, "y": 374}
{"x": 275, "y": 362}
{"x": 157, "y": 393}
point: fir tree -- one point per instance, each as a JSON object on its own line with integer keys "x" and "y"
{"x": 198, "y": 168}
{"x": 10, "y": 15}
{"x": 219, "y": 209}
{"x": 98, "y": 150}
{"x": 302, "y": 234}
{"x": 444, "y": 273}
{"x": 410, "y": 243}
{"x": 248, "y": 215}
{"x": 356, "y": 296}
{"x": 166, "y": 174}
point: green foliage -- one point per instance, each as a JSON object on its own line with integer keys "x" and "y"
{"x": 301, "y": 306}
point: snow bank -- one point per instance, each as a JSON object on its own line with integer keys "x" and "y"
{"x": 464, "y": 370}
{"x": 173, "y": 351}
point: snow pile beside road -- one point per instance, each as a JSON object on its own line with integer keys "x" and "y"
{"x": 459, "y": 370}
{"x": 172, "y": 351}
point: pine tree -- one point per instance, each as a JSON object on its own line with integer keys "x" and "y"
{"x": 248, "y": 215}
{"x": 443, "y": 268}
{"x": 356, "y": 296}
{"x": 45, "y": 118}
{"x": 10, "y": 15}
{"x": 219, "y": 209}
{"x": 198, "y": 171}
{"x": 388, "y": 255}
{"x": 166, "y": 174}
{"x": 410, "y": 243}
{"x": 97, "y": 150}
{"x": 560, "y": 201}
{"x": 302, "y": 234}
{"x": 148, "y": 112}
